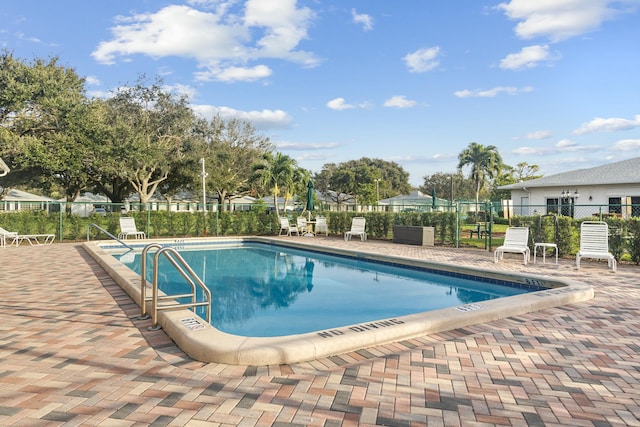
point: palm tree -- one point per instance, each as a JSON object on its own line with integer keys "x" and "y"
{"x": 275, "y": 173}
{"x": 486, "y": 163}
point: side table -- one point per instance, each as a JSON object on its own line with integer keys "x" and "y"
{"x": 544, "y": 247}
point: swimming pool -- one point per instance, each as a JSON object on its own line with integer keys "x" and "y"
{"x": 266, "y": 290}
{"x": 209, "y": 344}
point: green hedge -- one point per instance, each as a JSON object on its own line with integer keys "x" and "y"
{"x": 186, "y": 224}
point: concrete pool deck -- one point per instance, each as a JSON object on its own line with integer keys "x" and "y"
{"x": 72, "y": 353}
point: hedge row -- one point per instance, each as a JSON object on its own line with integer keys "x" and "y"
{"x": 185, "y": 224}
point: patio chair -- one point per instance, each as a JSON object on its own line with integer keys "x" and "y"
{"x": 301, "y": 223}
{"x": 321, "y": 225}
{"x": 357, "y": 229}
{"x": 17, "y": 238}
{"x": 594, "y": 243}
{"x": 286, "y": 228}
{"x": 516, "y": 240}
{"x": 128, "y": 228}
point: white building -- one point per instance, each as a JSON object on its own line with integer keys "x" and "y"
{"x": 16, "y": 200}
{"x": 416, "y": 201}
{"x": 582, "y": 192}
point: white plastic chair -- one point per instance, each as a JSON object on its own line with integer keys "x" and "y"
{"x": 594, "y": 243}
{"x": 301, "y": 223}
{"x": 128, "y": 228}
{"x": 286, "y": 227}
{"x": 321, "y": 225}
{"x": 357, "y": 228}
{"x": 516, "y": 240}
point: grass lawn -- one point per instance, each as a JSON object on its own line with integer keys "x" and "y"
{"x": 497, "y": 238}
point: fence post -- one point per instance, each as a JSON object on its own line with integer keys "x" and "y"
{"x": 457, "y": 236}
{"x": 62, "y": 204}
{"x": 490, "y": 225}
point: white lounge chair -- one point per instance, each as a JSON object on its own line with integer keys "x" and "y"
{"x": 357, "y": 228}
{"x": 516, "y": 240}
{"x": 128, "y": 228}
{"x": 287, "y": 228}
{"x": 321, "y": 225}
{"x": 17, "y": 238}
{"x": 301, "y": 223}
{"x": 594, "y": 243}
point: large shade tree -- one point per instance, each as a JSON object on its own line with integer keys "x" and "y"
{"x": 148, "y": 131}
{"x": 43, "y": 123}
{"x": 484, "y": 163}
{"x": 365, "y": 179}
{"x": 231, "y": 149}
{"x": 451, "y": 186}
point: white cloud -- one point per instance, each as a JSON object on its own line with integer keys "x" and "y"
{"x": 531, "y": 150}
{"x": 562, "y": 146}
{"x": 92, "y": 80}
{"x": 265, "y": 119}
{"x": 399, "y": 101}
{"x": 423, "y": 60}
{"x": 362, "y": 18}
{"x": 566, "y": 144}
{"x": 559, "y": 19}
{"x": 540, "y": 134}
{"x": 188, "y": 91}
{"x": 221, "y": 42}
{"x": 295, "y": 146}
{"x": 491, "y": 93}
{"x": 528, "y": 57}
{"x": 231, "y": 74}
{"x": 607, "y": 124}
{"x": 627, "y": 145}
{"x": 339, "y": 104}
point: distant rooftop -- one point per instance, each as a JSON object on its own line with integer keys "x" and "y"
{"x": 623, "y": 172}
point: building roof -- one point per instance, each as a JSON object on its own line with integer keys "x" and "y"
{"x": 623, "y": 172}
{"x": 15, "y": 195}
{"x": 416, "y": 198}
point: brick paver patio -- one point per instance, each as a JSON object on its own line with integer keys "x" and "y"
{"x": 73, "y": 354}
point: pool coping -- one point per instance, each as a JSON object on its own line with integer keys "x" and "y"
{"x": 205, "y": 343}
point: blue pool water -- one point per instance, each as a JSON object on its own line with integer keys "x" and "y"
{"x": 263, "y": 290}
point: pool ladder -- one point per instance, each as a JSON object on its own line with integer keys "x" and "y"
{"x": 169, "y": 301}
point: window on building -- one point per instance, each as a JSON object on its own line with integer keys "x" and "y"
{"x": 552, "y": 206}
{"x": 635, "y": 206}
{"x": 615, "y": 205}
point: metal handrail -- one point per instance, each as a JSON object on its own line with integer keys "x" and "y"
{"x": 107, "y": 233}
{"x": 143, "y": 279}
{"x": 189, "y": 275}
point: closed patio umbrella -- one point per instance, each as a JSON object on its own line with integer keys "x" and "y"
{"x": 434, "y": 200}
{"x": 310, "y": 201}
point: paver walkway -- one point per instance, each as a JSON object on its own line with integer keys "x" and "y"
{"x": 73, "y": 354}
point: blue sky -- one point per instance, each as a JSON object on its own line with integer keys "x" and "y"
{"x": 549, "y": 82}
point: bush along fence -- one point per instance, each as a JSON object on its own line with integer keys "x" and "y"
{"x": 159, "y": 224}
{"x": 624, "y": 240}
